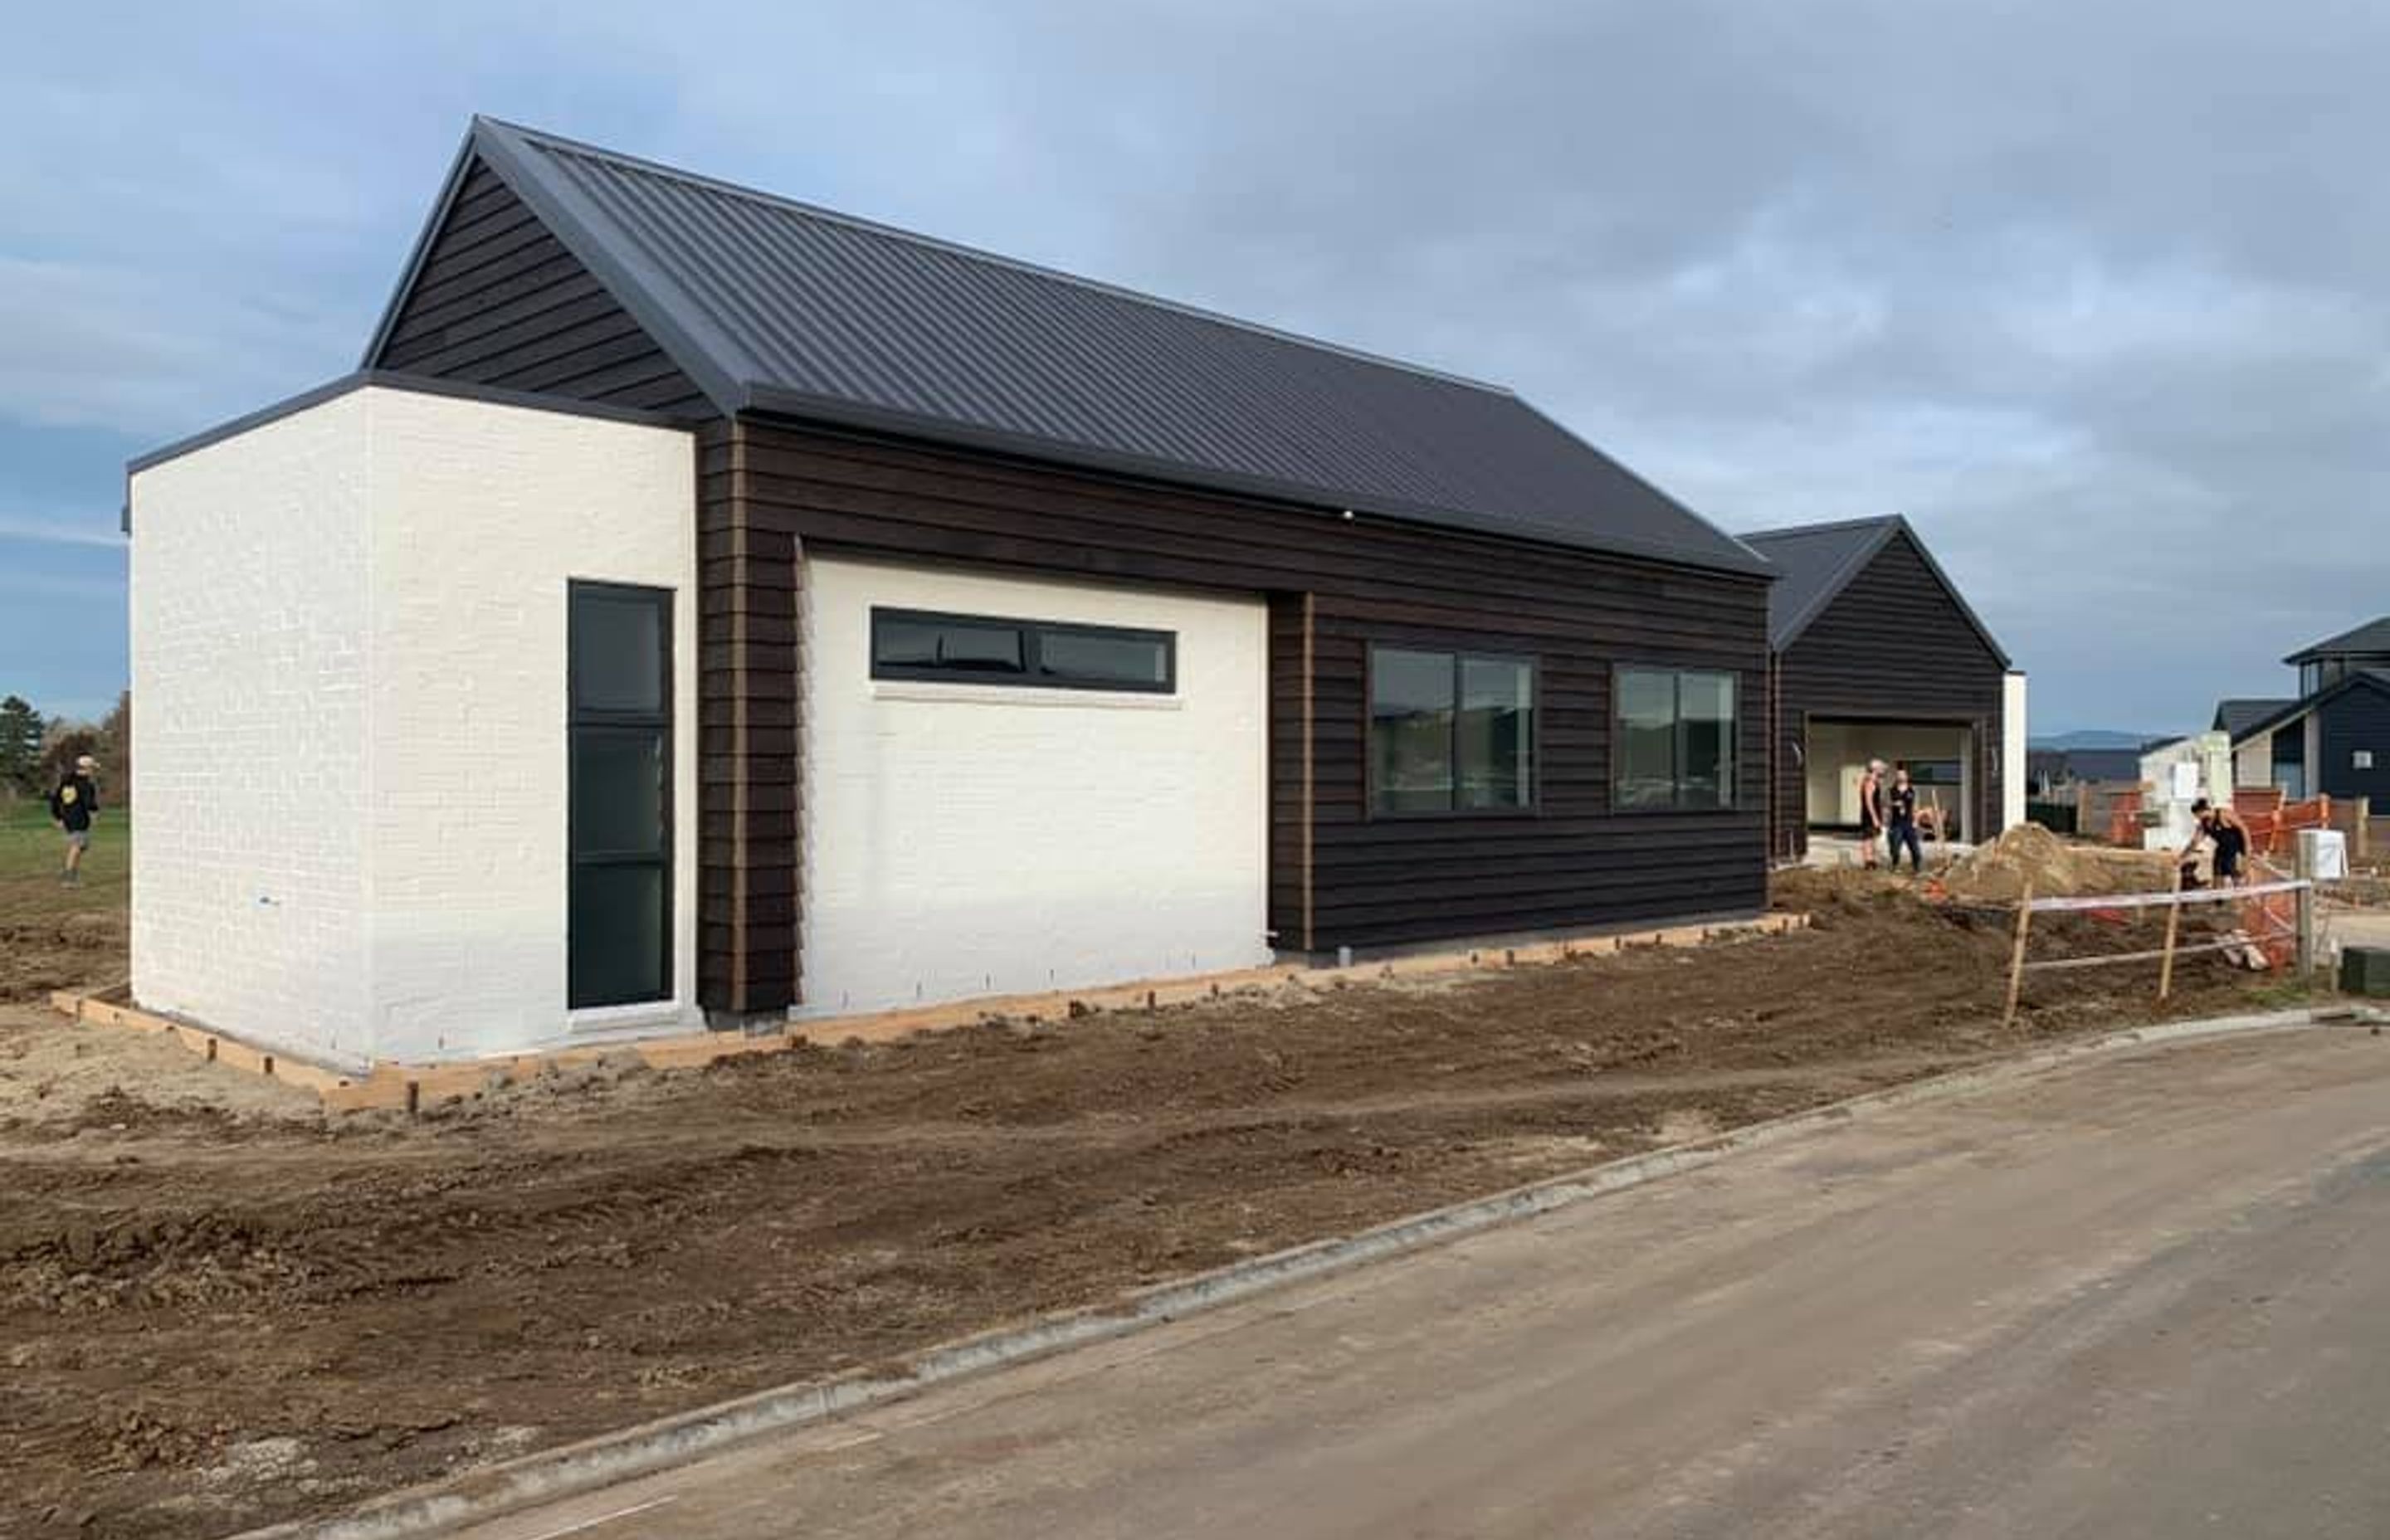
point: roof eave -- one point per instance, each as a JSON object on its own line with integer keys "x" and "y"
{"x": 776, "y": 401}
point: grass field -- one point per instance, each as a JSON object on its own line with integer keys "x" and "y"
{"x": 31, "y": 851}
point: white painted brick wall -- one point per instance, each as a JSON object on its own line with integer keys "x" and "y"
{"x": 482, "y": 514}
{"x": 481, "y": 519}
{"x": 964, "y": 841}
{"x": 349, "y": 645}
{"x": 248, "y": 620}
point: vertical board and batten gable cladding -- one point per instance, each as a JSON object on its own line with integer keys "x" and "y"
{"x": 1895, "y": 642}
{"x": 496, "y": 299}
{"x": 1337, "y": 586}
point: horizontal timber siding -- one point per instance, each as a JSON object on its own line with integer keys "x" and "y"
{"x": 749, "y": 767}
{"x": 499, "y": 301}
{"x": 2359, "y": 719}
{"x": 1892, "y": 644}
{"x": 1337, "y": 876}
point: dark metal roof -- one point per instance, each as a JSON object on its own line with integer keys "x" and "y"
{"x": 2373, "y": 679}
{"x": 2372, "y": 637}
{"x": 779, "y": 307}
{"x": 2236, "y": 716}
{"x": 1818, "y": 561}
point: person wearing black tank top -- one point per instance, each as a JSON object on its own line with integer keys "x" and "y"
{"x": 2223, "y": 828}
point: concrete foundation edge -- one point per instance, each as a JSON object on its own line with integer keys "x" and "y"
{"x": 648, "y": 1447}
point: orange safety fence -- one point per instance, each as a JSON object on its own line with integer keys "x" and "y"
{"x": 2271, "y": 831}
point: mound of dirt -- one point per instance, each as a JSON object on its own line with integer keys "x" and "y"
{"x": 2031, "y": 856}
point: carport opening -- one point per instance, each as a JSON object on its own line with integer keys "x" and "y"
{"x": 1940, "y": 757}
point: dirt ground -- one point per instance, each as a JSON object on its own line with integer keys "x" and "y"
{"x": 219, "y": 1308}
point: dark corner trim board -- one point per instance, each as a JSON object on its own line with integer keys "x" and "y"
{"x": 389, "y": 380}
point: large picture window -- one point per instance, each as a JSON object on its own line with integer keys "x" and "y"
{"x": 617, "y": 938}
{"x": 1676, "y": 739}
{"x": 913, "y": 644}
{"x": 1450, "y": 732}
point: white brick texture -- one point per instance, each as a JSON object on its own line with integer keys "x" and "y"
{"x": 348, "y": 648}
{"x": 964, "y": 840}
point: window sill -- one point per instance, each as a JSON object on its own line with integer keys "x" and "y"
{"x": 614, "y": 1019}
{"x": 1019, "y": 695}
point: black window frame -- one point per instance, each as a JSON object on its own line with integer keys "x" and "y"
{"x": 1032, "y": 633}
{"x": 1531, "y": 808}
{"x": 656, "y": 724}
{"x": 1676, "y": 806}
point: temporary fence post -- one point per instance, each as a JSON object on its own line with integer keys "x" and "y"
{"x": 2016, "y": 958}
{"x": 2174, "y": 928}
{"x": 2303, "y": 902}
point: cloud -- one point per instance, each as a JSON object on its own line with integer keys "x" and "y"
{"x": 2089, "y": 293}
{"x": 56, "y": 533}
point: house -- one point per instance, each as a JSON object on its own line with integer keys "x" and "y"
{"x": 1876, "y": 655}
{"x": 2333, "y": 738}
{"x": 703, "y": 608}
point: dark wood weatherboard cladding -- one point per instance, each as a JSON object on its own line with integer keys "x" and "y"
{"x": 1338, "y": 877}
{"x": 2356, "y": 722}
{"x": 748, "y": 770}
{"x": 499, "y": 301}
{"x": 1893, "y": 645}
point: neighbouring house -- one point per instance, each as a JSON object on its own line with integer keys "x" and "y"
{"x": 703, "y": 608}
{"x": 2333, "y": 738}
{"x": 1876, "y": 655}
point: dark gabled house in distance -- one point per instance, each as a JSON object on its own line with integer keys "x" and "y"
{"x": 2333, "y": 738}
{"x": 1878, "y": 656}
{"x": 705, "y": 607}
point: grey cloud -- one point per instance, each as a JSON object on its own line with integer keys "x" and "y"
{"x": 2091, "y": 293}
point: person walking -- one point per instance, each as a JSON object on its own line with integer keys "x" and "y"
{"x": 72, "y": 804}
{"x": 1900, "y": 805}
{"x": 1870, "y": 811}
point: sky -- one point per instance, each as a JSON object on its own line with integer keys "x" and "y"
{"x": 2093, "y": 293}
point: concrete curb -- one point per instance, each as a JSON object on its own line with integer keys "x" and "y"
{"x": 632, "y": 1452}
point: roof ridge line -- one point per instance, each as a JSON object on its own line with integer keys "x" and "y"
{"x": 557, "y": 142}
{"x": 1830, "y": 527}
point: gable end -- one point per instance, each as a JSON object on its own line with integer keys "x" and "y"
{"x": 494, "y": 299}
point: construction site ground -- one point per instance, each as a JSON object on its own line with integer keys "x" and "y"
{"x": 221, "y": 1306}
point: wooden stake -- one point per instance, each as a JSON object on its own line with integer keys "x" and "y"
{"x": 2016, "y": 958}
{"x": 2174, "y": 927}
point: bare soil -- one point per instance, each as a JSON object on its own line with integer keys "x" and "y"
{"x": 219, "y": 1308}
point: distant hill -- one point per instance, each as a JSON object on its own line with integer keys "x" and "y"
{"x": 2094, "y": 738}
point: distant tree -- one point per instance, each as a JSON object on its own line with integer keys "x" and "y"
{"x": 22, "y": 730}
{"x": 66, "y": 742}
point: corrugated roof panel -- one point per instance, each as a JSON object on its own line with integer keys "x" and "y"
{"x": 2372, "y": 637}
{"x": 804, "y": 310}
{"x": 1812, "y": 565}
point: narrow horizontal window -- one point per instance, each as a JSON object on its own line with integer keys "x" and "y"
{"x": 911, "y": 644}
{"x": 1675, "y": 743}
{"x": 1450, "y": 732}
